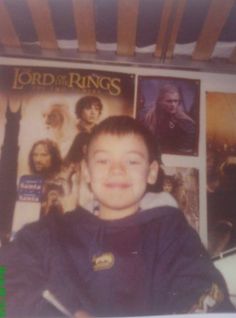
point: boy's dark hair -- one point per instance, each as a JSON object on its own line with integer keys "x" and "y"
{"x": 85, "y": 102}
{"x": 123, "y": 125}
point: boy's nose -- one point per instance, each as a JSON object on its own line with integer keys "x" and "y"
{"x": 117, "y": 167}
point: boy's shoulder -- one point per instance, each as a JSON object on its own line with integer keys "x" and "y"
{"x": 47, "y": 226}
{"x": 156, "y": 200}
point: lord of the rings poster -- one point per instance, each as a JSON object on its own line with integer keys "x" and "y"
{"x": 46, "y": 115}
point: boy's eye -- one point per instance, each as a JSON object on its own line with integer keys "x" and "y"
{"x": 133, "y": 162}
{"x": 101, "y": 161}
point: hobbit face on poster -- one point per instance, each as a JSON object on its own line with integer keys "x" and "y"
{"x": 46, "y": 116}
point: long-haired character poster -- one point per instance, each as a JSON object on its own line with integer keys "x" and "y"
{"x": 46, "y": 116}
{"x": 169, "y": 107}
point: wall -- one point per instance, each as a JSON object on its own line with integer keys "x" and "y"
{"x": 209, "y": 82}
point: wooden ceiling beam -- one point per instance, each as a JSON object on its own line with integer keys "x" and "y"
{"x": 216, "y": 17}
{"x": 178, "y": 15}
{"x": 162, "y": 38}
{"x": 84, "y": 17}
{"x": 127, "y": 26}
{"x": 43, "y": 23}
{"x": 8, "y": 35}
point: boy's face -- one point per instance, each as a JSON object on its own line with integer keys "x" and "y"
{"x": 118, "y": 170}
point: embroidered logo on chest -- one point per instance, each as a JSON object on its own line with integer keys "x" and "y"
{"x": 103, "y": 261}
{"x": 171, "y": 124}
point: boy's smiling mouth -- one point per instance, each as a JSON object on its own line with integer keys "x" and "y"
{"x": 117, "y": 185}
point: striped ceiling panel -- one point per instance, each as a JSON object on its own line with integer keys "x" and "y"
{"x": 160, "y": 31}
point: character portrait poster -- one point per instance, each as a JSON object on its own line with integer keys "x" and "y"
{"x": 169, "y": 107}
{"x": 221, "y": 171}
{"x": 46, "y": 115}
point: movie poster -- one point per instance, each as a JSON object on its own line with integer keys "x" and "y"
{"x": 221, "y": 171}
{"x": 183, "y": 185}
{"x": 46, "y": 116}
{"x": 169, "y": 107}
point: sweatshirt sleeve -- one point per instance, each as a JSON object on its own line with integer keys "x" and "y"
{"x": 193, "y": 284}
{"x": 25, "y": 262}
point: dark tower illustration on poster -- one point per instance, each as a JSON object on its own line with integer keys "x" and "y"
{"x": 8, "y": 172}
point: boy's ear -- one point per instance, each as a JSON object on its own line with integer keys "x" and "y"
{"x": 153, "y": 172}
{"x": 85, "y": 171}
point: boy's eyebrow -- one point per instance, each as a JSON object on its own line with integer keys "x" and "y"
{"x": 136, "y": 152}
{"x": 99, "y": 151}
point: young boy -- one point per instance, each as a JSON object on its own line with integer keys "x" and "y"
{"x": 132, "y": 254}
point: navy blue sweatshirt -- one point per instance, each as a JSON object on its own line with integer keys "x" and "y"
{"x": 151, "y": 262}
